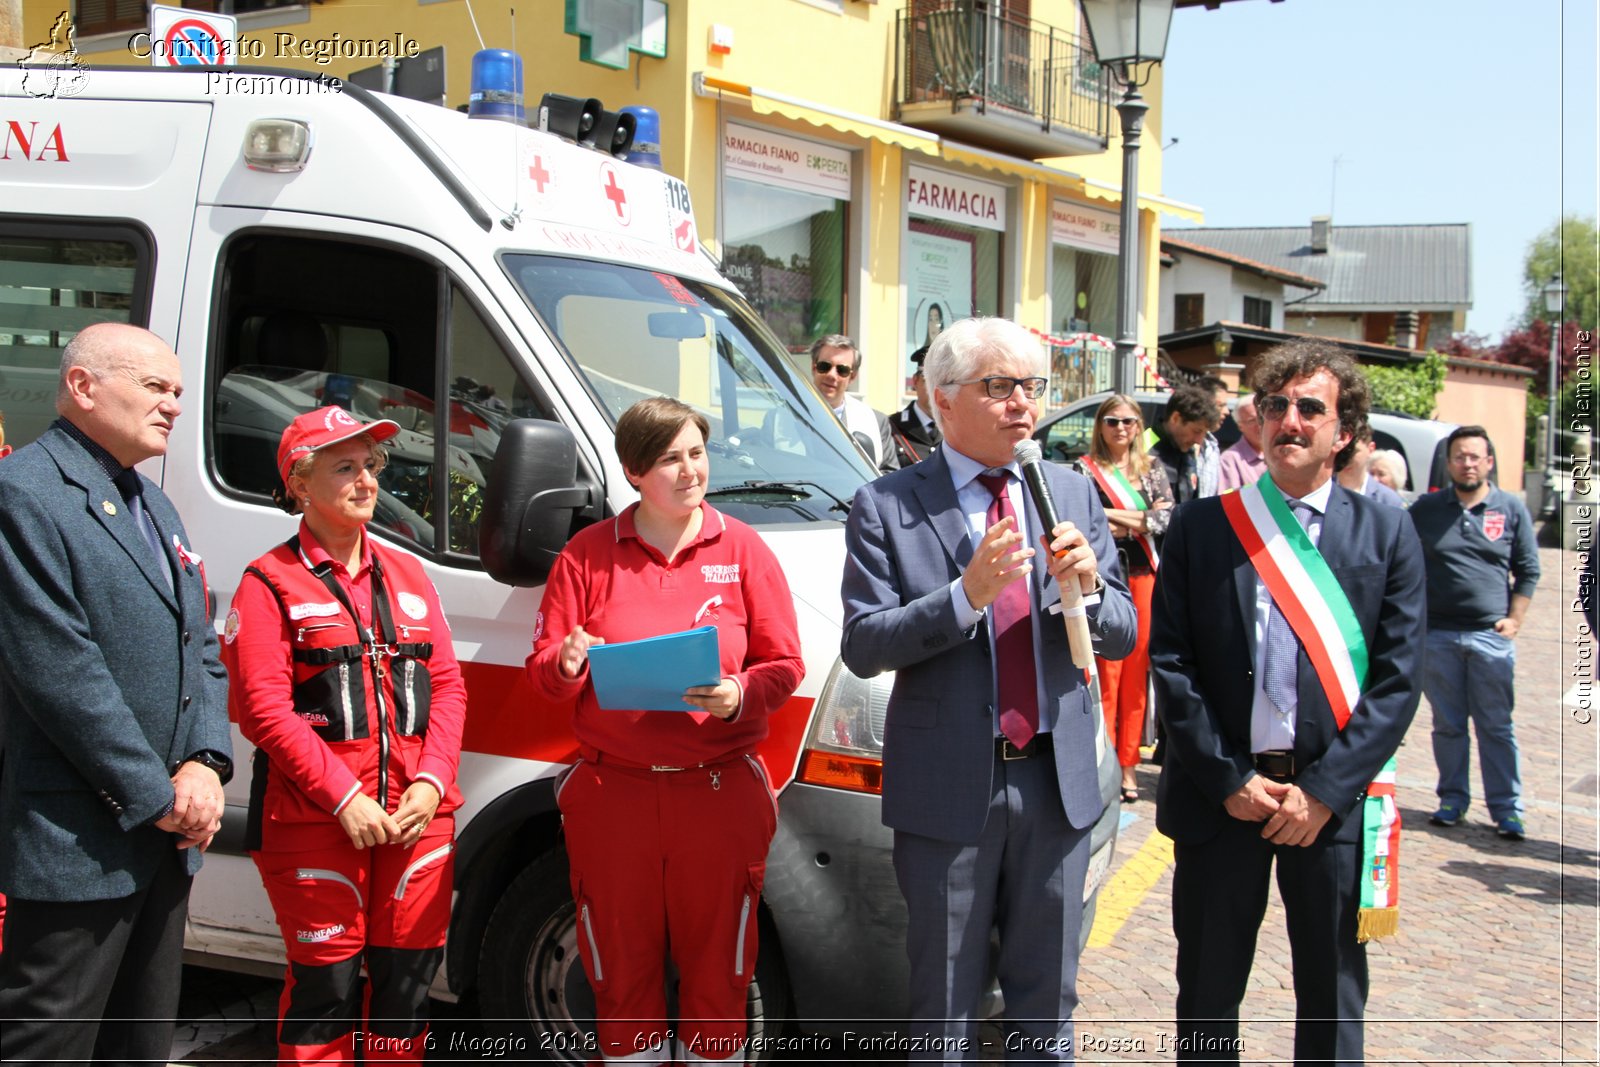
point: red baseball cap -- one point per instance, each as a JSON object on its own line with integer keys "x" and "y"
{"x": 316, "y": 430}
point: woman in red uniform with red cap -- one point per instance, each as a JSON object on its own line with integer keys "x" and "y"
{"x": 668, "y": 815}
{"x": 344, "y": 677}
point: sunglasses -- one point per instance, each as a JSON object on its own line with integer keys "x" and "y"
{"x": 1000, "y": 387}
{"x": 1119, "y": 420}
{"x": 822, "y": 366}
{"x": 1276, "y": 407}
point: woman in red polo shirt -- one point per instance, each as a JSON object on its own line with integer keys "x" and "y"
{"x": 668, "y": 815}
{"x": 343, "y": 675}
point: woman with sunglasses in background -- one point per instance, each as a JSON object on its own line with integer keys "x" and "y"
{"x": 1138, "y": 505}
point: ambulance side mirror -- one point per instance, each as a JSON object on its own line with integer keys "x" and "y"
{"x": 530, "y": 503}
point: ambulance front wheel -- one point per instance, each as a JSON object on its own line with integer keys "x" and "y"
{"x": 530, "y": 969}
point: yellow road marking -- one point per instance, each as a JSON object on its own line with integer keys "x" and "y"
{"x": 1123, "y": 893}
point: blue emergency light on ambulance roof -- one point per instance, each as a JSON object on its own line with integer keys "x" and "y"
{"x": 496, "y": 86}
{"x": 646, "y": 148}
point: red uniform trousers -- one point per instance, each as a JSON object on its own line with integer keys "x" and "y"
{"x": 1125, "y": 683}
{"x": 668, "y": 859}
{"x": 339, "y": 906}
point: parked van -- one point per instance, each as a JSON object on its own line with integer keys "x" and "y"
{"x": 492, "y": 289}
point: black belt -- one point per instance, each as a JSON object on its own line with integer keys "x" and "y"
{"x": 1279, "y": 766}
{"x": 1036, "y": 746}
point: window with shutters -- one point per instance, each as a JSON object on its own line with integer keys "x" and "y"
{"x": 1258, "y": 312}
{"x": 107, "y": 16}
{"x": 1189, "y": 311}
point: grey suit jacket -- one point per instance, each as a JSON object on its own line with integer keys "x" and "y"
{"x": 1376, "y": 490}
{"x": 906, "y": 541}
{"x": 108, "y": 678}
{"x": 1202, "y": 657}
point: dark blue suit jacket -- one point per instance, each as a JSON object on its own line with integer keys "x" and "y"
{"x": 906, "y": 541}
{"x": 108, "y": 678}
{"x": 1202, "y": 656}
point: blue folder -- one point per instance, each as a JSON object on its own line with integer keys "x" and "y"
{"x": 651, "y": 675}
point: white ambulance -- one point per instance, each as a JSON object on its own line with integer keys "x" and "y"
{"x": 303, "y": 243}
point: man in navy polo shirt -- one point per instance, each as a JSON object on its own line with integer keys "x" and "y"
{"x": 1483, "y": 563}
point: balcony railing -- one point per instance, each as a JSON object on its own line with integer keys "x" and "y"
{"x": 972, "y": 55}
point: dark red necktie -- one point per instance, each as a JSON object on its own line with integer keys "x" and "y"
{"x": 1014, "y": 670}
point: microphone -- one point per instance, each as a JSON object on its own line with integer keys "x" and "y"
{"x": 1028, "y": 457}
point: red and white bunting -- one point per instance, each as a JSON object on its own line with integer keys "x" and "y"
{"x": 1073, "y": 340}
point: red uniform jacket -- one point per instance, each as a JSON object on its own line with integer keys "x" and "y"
{"x": 329, "y": 714}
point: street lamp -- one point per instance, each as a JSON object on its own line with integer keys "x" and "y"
{"x": 1222, "y": 345}
{"x": 1125, "y": 34}
{"x": 1555, "y": 300}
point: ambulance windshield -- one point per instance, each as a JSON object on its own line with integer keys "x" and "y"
{"x": 777, "y": 453}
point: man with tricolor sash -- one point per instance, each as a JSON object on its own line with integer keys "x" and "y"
{"x": 1288, "y": 625}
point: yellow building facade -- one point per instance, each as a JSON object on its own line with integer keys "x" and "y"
{"x": 870, "y": 168}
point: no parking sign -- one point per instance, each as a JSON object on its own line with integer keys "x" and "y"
{"x": 184, "y": 38}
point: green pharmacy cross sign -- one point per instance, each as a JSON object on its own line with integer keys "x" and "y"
{"x": 609, "y": 29}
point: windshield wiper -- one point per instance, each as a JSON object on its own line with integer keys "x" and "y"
{"x": 794, "y": 488}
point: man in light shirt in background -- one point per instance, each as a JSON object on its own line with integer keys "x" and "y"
{"x": 1242, "y": 462}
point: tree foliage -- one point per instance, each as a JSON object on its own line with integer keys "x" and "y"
{"x": 1567, "y": 247}
{"x": 1410, "y": 389}
{"x": 1528, "y": 347}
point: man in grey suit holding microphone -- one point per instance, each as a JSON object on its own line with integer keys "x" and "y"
{"x": 114, "y": 708}
{"x": 990, "y": 780}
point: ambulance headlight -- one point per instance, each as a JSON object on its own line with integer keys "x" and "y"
{"x": 844, "y": 749}
{"x": 277, "y": 145}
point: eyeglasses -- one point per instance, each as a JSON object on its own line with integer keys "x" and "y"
{"x": 1276, "y": 407}
{"x": 1000, "y": 387}
{"x": 1114, "y": 421}
{"x": 822, "y": 366}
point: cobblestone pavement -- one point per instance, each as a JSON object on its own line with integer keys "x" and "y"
{"x": 1495, "y": 961}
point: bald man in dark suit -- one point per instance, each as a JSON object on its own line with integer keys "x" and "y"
{"x": 114, "y": 705}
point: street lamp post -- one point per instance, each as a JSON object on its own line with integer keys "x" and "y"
{"x": 1555, "y": 300}
{"x": 1125, "y": 34}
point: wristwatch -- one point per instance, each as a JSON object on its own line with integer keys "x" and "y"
{"x": 206, "y": 758}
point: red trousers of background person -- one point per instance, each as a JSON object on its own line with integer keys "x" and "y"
{"x": 1125, "y": 683}
{"x": 668, "y": 861}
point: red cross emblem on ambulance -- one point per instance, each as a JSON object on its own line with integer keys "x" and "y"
{"x": 1494, "y": 525}
{"x": 613, "y": 191}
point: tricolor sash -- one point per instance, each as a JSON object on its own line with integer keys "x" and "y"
{"x": 1310, "y": 598}
{"x": 1115, "y": 485}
